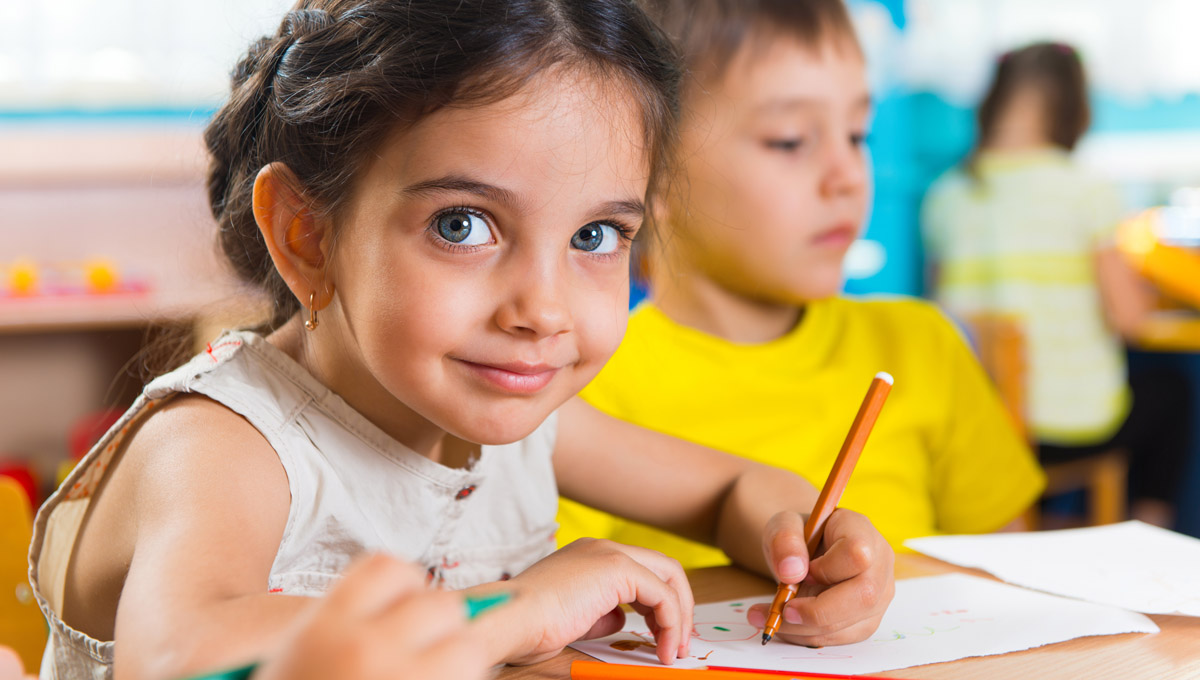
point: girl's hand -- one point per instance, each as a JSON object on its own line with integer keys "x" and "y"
{"x": 380, "y": 621}
{"x": 844, "y": 591}
{"x": 575, "y": 594}
{"x": 11, "y": 667}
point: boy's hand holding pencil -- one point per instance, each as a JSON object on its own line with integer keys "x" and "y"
{"x": 843, "y": 592}
{"x": 830, "y": 564}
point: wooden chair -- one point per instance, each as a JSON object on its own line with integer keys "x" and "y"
{"x": 1000, "y": 344}
{"x": 22, "y": 626}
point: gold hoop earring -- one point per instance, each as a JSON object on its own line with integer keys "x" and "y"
{"x": 311, "y": 324}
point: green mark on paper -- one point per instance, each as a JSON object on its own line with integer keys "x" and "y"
{"x": 721, "y": 628}
{"x": 736, "y": 604}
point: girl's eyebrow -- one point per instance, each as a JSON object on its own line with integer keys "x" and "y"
{"x": 491, "y": 192}
{"x": 461, "y": 184}
{"x": 631, "y": 208}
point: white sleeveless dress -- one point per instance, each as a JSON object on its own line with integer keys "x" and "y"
{"x": 353, "y": 489}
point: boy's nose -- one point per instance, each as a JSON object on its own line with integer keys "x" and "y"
{"x": 846, "y": 172}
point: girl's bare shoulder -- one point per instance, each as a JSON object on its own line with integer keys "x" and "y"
{"x": 192, "y": 440}
{"x": 182, "y": 486}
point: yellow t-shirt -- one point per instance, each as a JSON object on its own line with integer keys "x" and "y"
{"x": 942, "y": 458}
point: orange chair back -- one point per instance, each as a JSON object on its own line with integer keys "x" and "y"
{"x": 22, "y": 626}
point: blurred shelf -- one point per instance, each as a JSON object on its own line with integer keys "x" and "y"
{"x": 38, "y": 154}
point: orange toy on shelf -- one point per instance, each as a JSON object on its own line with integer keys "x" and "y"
{"x": 23, "y": 277}
{"x": 97, "y": 276}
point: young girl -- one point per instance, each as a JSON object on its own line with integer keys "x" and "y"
{"x": 744, "y": 345}
{"x": 440, "y": 196}
{"x": 1024, "y": 232}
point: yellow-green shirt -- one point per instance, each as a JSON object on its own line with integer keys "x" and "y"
{"x": 942, "y": 457}
{"x": 1020, "y": 240}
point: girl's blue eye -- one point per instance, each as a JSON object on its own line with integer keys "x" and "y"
{"x": 463, "y": 228}
{"x": 596, "y": 237}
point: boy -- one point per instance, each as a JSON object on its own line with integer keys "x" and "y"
{"x": 744, "y": 345}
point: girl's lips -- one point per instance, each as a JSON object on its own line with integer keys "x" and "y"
{"x": 514, "y": 378}
{"x": 840, "y": 236}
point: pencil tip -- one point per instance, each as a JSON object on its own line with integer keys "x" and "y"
{"x": 766, "y": 638}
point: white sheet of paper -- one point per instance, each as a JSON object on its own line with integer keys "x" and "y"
{"x": 931, "y": 619}
{"x": 1131, "y": 565}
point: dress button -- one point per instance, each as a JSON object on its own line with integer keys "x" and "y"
{"x": 464, "y": 492}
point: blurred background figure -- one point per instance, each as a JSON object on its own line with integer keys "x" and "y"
{"x": 1021, "y": 235}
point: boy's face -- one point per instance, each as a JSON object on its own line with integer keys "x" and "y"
{"x": 774, "y": 173}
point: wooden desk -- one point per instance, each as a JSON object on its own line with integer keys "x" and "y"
{"x": 1173, "y": 653}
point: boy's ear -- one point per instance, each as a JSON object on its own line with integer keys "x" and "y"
{"x": 297, "y": 238}
{"x": 659, "y": 211}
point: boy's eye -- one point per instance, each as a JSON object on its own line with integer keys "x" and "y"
{"x": 596, "y": 237}
{"x": 463, "y": 228}
{"x": 787, "y": 145}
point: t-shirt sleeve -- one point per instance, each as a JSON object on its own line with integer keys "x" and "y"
{"x": 984, "y": 474}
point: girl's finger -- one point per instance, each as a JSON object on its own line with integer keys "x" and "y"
{"x": 459, "y": 658}
{"x": 608, "y": 624}
{"x": 648, "y": 590}
{"x": 422, "y": 619}
{"x": 783, "y": 546}
{"x": 671, "y": 572}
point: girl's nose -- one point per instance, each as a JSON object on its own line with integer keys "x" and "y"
{"x": 538, "y": 306}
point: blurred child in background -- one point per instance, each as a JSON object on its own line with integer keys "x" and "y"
{"x": 744, "y": 344}
{"x": 1022, "y": 231}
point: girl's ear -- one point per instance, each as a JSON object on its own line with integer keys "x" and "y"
{"x": 297, "y": 238}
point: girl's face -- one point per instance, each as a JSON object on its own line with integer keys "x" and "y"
{"x": 481, "y": 271}
{"x": 775, "y": 183}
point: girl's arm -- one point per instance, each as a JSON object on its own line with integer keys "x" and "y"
{"x": 209, "y": 500}
{"x": 1128, "y": 299}
{"x": 754, "y": 512}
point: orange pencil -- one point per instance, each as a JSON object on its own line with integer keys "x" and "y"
{"x": 598, "y": 670}
{"x": 831, "y": 493}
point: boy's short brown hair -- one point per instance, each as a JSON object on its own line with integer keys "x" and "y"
{"x": 710, "y": 32}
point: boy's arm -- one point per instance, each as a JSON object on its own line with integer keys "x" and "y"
{"x": 209, "y": 511}
{"x": 755, "y": 513}
{"x": 685, "y": 488}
